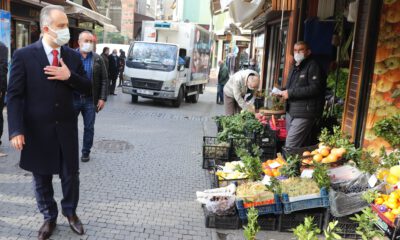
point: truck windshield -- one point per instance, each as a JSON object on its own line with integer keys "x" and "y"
{"x": 152, "y": 56}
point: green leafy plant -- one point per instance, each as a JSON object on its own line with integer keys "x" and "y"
{"x": 366, "y": 225}
{"x": 252, "y": 164}
{"x": 320, "y": 175}
{"x": 252, "y": 228}
{"x": 370, "y": 195}
{"x": 274, "y": 186}
{"x": 391, "y": 159}
{"x": 307, "y": 230}
{"x": 389, "y": 129}
{"x": 335, "y": 139}
{"x": 330, "y": 233}
{"x": 292, "y": 168}
{"x": 366, "y": 161}
{"x": 341, "y": 84}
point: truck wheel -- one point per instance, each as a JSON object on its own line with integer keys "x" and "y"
{"x": 135, "y": 98}
{"x": 194, "y": 98}
{"x": 177, "y": 103}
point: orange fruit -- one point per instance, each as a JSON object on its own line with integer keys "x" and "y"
{"x": 324, "y": 152}
{"x": 332, "y": 158}
{"x": 275, "y": 172}
{"x": 268, "y": 172}
{"x": 318, "y": 157}
{"x": 306, "y": 153}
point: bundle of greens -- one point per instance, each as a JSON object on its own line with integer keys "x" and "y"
{"x": 389, "y": 129}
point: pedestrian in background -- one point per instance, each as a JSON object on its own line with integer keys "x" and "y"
{"x": 241, "y": 83}
{"x": 253, "y": 65}
{"x": 94, "y": 102}
{"x": 122, "y": 59}
{"x": 304, "y": 95}
{"x": 223, "y": 77}
{"x": 42, "y": 120}
{"x": 113, "y": 61}
{"x": 3, "y": 83}
{"x": 104, "y": 55}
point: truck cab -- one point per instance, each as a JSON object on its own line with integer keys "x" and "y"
{"x": 165, "y": 70}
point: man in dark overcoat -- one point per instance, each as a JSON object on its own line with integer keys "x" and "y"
{"x": 41, "y": 116}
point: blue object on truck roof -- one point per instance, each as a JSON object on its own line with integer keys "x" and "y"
{"x": 162, "y": 25}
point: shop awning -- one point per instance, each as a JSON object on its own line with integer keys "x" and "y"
{"x": 244, "y": 11}
{"x": 261, "y": 19}
{"x": 80, "y": 12}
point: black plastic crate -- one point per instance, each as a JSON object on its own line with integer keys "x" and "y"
{"x": 346, "y": 227}
{"x": 268, "y": 153}
{"x": 266, "y": 222}
{"x": 213, "y": 220}
{"x": 266, "y": 139}
{"x": 240, "y": 142}
{"x": 214, "y": 153}
{"x": 287, "y": 222}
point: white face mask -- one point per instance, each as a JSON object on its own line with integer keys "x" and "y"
{"x": 298, "y": 57}
{"x": 87, "y": 47}
{"x": 62, "y": 36}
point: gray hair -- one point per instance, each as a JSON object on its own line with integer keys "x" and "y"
{"x": 84, "y": 32}
{"x": 45, "y": 19}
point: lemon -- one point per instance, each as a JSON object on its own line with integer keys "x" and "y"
{"x": 392, "y": 179}
{"x": 382, "y": 173}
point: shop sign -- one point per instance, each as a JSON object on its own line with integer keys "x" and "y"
{"x": 86, "y": 25}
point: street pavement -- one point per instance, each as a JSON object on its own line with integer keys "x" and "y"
{"x": 141, "y": 180}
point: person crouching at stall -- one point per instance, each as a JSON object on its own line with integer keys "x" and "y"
{"x": 235, "y": 90}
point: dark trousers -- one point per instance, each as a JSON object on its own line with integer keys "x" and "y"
{"x": 113, "y": 83}
{"x": 44, "y": 193}
{"x": 299, "y": 131}
{"x": 85, "y": 106}
{"x": 220, "y": 93}
{"x": 3, "y": 93}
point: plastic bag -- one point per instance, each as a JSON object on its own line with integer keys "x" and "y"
{"x": 221, "y": 205}
{"x": 346, "y": 197}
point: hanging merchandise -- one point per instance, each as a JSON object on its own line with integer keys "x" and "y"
{"x": 353, "y": 9}
{"x": 326, "y": 8}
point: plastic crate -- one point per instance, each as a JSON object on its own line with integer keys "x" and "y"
{"x": 287, "y": 222}
{"x": 266, "y": 222}
{"x": 318, "y": 202}
{"x": 268, "y": 153}
{"x": 214, "y": 154}
{"x": 346, "y": 227}
{"x": 275, "y": 208}
{"x": 267, "y": 139}
{"x": 213, "y": 220}
{"x": 237, "y": 143}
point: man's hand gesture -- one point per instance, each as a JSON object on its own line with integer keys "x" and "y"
{"x": 58, "y": 73}
{"x": 18, "y": 142}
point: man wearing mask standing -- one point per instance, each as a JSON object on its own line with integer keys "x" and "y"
{"x": 113, "y": 61}
{"x": 88, "y": 105}
{"x": 238, "y": 85}
{"x": 304, "y": 94}
{"x": 41, "y": 117}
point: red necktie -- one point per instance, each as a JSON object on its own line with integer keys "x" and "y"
{"x": 55, "y": 58}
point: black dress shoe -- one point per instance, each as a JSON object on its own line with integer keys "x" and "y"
{"x": 46, "y": 230}
{"x": 75, "y": 224}
{"x": 85, "y": 157}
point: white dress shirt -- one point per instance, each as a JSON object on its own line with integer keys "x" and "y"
{"x": 48, "y": 50}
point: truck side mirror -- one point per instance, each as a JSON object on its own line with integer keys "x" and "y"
{"x": 187, "y": 62}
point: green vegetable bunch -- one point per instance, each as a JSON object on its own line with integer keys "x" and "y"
{"x": 320, "y": 175}
{"x": 366, "y": 225}
{"x": 370, "y": 195}
{"x": 389, "y": 129}
{"x": 335, "y": 139}
{"x": 252, "y": 163}
{"x": 252, "y": 228}
{"x": 391, "y": 159}
{"x": 365, "y": 160}
{"x": 307, "y": 231}
{"x": 292, "y": 168}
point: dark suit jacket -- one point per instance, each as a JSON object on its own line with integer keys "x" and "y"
{"x": 42, "y": 110}
{"x": 113, "y": 66}
{"x": 3, "y": 66}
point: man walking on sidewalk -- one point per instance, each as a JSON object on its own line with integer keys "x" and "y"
{"x": 42, "y": 120}
{"x": 89, "y": 104}
{"x": 113, "y": 61}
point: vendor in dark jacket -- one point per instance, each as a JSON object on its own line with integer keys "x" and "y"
{"x": 304, "y": 94}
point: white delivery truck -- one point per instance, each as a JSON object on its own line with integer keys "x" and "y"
{"x": 171, "y": 63}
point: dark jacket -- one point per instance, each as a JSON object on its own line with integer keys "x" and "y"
{"x": 306, "y": 89}
{"x": 105, "y": 59}
{"x": 223, "y": 75}
{"x": 100, "y": 79}
{"x": 113, "y": 66}
{"x": 42, "y": 110}
{"x": 3, "y": 67}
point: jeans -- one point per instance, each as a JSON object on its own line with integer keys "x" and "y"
{"x": 85, "y": 106}
{"x": 220, "y": 93}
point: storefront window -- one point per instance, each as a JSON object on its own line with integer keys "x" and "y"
{"x": 21, "y": 34}
{"x": 385, "y": 97}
